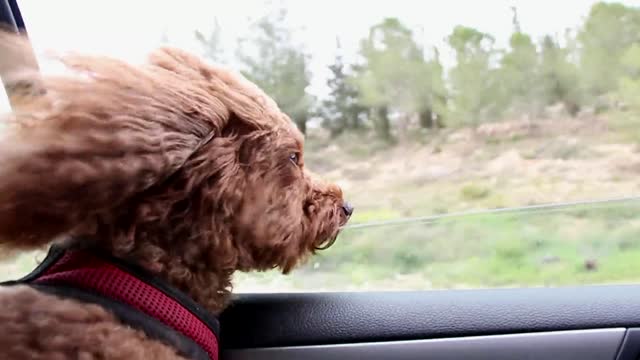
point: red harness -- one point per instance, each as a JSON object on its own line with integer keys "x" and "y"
{"x": 113, "y": 281}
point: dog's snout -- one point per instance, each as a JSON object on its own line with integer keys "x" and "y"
{"x": 347, "y": 209}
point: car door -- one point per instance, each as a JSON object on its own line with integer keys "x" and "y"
{"x": 566, "y": 323}
{"x": 502, "y": 312}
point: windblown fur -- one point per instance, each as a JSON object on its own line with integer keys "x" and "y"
{"x": 179, "y": 166}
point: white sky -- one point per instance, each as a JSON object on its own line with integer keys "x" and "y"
{"x": 130, "y": 28}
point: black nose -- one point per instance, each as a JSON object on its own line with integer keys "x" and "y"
{"x": 347, "y": 208}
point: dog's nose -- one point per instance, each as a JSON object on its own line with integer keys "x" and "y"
{"x": 347, "y": 208}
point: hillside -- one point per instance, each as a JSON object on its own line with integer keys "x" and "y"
{"x": 496, "y": 165}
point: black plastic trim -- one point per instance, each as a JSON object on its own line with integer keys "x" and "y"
{"x": 630, "y": 349}
{"x": 7, "y": 17}
{"x": 276, "y": 320}
{"x": 600, "y": 344}
{"x": 17, "y": 15}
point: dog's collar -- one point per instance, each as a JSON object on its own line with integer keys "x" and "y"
{"x": 140, "y": 300}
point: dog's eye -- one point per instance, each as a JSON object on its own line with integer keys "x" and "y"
{"x": 294, "y": 157}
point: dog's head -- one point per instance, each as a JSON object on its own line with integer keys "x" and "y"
{"x": 184, "y": 167}
{"x": 283, "y": 212}
{"x": 260, "y": 196}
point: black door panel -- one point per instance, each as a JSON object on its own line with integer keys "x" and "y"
{"x": 600, "y": 344}
{"x": 283, "y": 320}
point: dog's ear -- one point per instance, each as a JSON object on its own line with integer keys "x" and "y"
{"x": 253, "y": 109}
{"x": 95, "y": 139}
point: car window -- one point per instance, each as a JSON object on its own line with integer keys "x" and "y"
{"x": 483, "y": 144}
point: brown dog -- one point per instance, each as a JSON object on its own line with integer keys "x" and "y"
{"x": 183, "y": 169}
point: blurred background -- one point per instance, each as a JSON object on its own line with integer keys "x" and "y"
{"x": 434, "y": 117}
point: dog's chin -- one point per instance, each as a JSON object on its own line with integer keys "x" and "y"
{"x": 327, "y": 243}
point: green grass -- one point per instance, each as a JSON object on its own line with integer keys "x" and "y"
{"x": 511, "y": 249}
{"x": 472, "y": 192}
{"x": 528, "y": 249}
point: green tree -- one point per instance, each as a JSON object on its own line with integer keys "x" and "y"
{"x": 559, "y": 76}
{"x": 519, "y": 75}
{"x": 473, "y": 81}
{"x": 610, "y": 29}
{"x": 271, "y": 59}
{"x": 394, "y": 76}
{"x": 431, "y": 93}
{"x": 629, "y": 83}
{"x": 342, "y": 109}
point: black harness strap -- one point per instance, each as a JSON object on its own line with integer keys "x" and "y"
{"x": 127, "y": 314}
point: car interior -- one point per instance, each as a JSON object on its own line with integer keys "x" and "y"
{"x": 561, "y": 323}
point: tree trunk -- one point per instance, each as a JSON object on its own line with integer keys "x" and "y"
{"x": 301, "y": 123}
{"x": 426, "y": 119}
{"x": 352, "y": 122}
{"x": 382, "y": 125}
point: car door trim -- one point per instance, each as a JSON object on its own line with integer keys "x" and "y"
{"x": 597, "y": 344}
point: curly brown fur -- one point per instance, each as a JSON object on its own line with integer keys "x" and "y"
{"x": 117, "y": 155}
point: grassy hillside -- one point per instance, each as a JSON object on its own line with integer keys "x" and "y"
{"x": 494, "y": 166}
